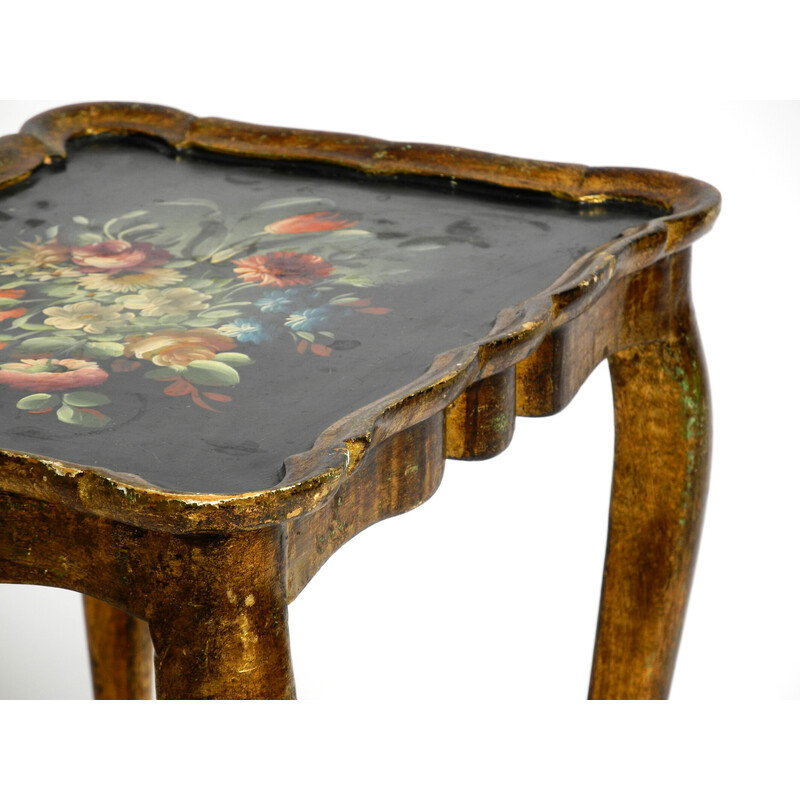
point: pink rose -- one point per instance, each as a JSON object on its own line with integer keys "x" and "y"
{"x": 48, "y": 374}
{"x": 115, "y": 255}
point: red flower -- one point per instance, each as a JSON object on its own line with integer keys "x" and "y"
{"x": 310, "y": 223}
{"x": 115, "y": 255}
{"x": 282, "y": 269}
{"x": 47, "y": 374}
{"x": 15, "y": 312}
{"x": 13, "y": 293}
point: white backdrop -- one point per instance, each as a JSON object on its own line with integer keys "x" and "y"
{"x": 489, "y": 591}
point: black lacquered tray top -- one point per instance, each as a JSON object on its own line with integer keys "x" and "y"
{"x": 195, "y": 322}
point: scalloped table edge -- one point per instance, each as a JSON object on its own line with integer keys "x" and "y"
{"x": 312, "y": 478}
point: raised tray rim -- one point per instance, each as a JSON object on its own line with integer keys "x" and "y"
{"x": 313, "y": 477}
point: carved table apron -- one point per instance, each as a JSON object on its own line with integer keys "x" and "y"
{"x": 226, "y": 349}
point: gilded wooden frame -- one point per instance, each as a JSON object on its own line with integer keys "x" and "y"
{"x": 627, "y": 301}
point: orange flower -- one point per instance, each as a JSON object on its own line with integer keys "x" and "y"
{"x": 13, "y": 293}
{"x": 47, "y": 374}
{"x": 15, "y": 312}
{"x": 310, "y": 223}
{"x": 175, "y": 347}
{"x": 282, "y": 269}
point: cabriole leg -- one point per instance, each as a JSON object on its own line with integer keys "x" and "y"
{"x": 661, "y": 465}
{"x": 120, "y": 652}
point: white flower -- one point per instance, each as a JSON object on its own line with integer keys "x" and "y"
{"x": 159, "y": 302}
{"x": 87, "y": 315}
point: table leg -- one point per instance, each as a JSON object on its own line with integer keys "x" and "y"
{"x": 661, "y": 466}
{"x": 120, "y": 652}
{"x": 221, "y": 631}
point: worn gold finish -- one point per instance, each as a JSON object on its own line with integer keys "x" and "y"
{"x": 211, "y": 575}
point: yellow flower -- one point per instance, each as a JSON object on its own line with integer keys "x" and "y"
{"x": 130, "y": 281}
{"x": 177, "y": 347}
{"x": 32, "y": 256}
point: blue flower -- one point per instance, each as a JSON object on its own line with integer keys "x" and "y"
{"x": 244, "y": 330}
{"x": 312, "y": 319}
{"x": 279, "y": 301}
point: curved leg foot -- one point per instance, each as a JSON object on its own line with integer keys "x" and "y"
{"x": 660, "y": 481}
{"x": 120, "y": 652}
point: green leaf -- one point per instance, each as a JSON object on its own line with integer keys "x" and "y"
{"x": 80, "y": 220}
{"x": 211, "y": 373}
{"x": 36, "y": 402}
{"x": 182, "y": 264}
{"x": 220, "y": 313}
{"x": 190, "y": 201}
{"x": 86, "y": 399}
{"x": 63, "y": 290}
{"x": 223, "y": 255}
{"x": 76, "y": 416}
{"x": 172, "y": 319}
{"x": 197, "y": 322}
{"x": 352, "y": 279}
{"x": 292, "y": 201}
{"x": 309, "y": 337}
{"x": 51, "y": 233}
{"x": 107, "y": 337}
{"x": 23, "y": 322}
{"x": 132, "y": 214}
{"x": 160, "y": 373}
{"x": 44, "y": 344}
{"x": 89, "y": 238}
{"x": 104, "y": 349}
{"x": 239, "y": 359}
{"x": 148, "y": 226}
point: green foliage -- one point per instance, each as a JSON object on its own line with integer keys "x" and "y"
{"x": 104, "y": 350}
{"x": 46, "y": 344}
{"x": 85, "y": 399}
{"x": 162, "y": 373}
{"x": 78, "y": 416}
{"x": 211, "y": 373}
{"x": 239, "y": 359}
{"x": 36, "y": 402}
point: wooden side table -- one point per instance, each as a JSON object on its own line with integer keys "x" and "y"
{"x": 226, "y": 349}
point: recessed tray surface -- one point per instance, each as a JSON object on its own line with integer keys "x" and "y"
{"x": 196, "y": 320}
